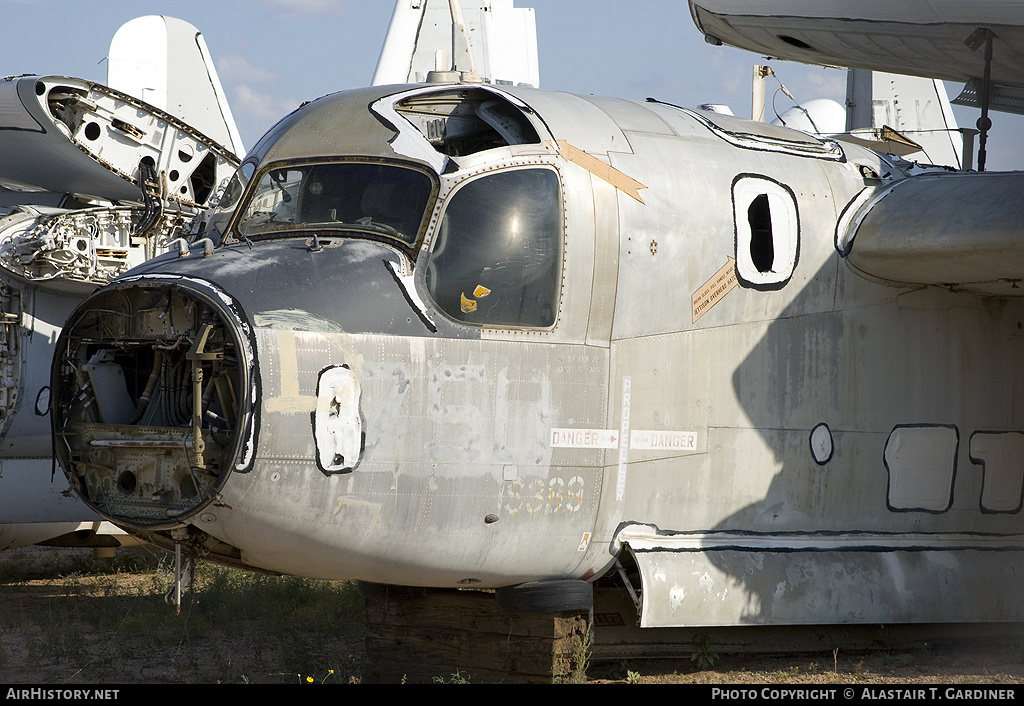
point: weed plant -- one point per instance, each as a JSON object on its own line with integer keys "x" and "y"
{"x": 102, "y": 617}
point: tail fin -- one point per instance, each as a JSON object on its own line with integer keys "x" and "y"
{"x": 165, "y": 62}
{"x": 917, "y": 108}
{"x": 503, "y": 39}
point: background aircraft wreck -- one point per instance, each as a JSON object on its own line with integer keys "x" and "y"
{"x": 94, "y": 182}
{"x": 484, "y": 335}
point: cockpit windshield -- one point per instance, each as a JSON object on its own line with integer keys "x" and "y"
{"x": 367, "y": 199}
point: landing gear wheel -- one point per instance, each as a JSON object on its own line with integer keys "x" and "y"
{"x": 546, "y": 597}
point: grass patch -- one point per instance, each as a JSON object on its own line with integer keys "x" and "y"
{"x": 90, "y": 620}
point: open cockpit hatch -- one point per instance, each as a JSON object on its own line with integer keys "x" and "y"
{"x": 462, "y": 121}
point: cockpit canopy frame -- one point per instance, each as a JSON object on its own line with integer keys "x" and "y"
{"x": 371, "y": 198}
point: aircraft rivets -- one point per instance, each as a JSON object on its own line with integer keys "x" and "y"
{"x": 654, "y": 246}
{"x": 490, "y": 519}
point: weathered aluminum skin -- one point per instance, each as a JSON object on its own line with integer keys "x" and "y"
{"x": 762, "y": 429}
{"x": 328, "y": 126}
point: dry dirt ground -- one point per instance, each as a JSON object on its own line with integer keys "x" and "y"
{"x": 66, "y": 618}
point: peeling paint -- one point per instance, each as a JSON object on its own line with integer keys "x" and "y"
{"x": 295, "y": 320}
{"x": 675, "y": 597}
{"x": 467, "y": 425}
{"x": 337, "y": 426}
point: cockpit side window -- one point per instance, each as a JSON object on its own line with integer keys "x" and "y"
{"x": 497, "y": 257}
{"x": 220, "y": 215}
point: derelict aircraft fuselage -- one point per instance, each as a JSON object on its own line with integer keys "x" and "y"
{"x": 461, "y": 335}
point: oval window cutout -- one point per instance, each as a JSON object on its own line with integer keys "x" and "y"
{"x": 767, "y": 232}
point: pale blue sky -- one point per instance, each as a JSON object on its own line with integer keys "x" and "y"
{"x": 274, "y": 54}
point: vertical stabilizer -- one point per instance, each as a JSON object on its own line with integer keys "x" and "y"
{"x": 503, "y": 40}
{"x": 917, "y": 108}
{"x": 165, "y": 62}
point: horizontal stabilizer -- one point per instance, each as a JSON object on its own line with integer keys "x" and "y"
{"x": 1007, "y": 100}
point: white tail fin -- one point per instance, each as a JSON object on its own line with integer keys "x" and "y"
{"x": 917, "y": 108}
{"x": 165, "y": 62}
{"x": 503, "y": 40}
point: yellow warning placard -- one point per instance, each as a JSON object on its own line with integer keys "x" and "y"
{"x": 712, "y": 291}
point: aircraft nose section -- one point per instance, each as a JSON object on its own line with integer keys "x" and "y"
{"x": 152, "y": 399}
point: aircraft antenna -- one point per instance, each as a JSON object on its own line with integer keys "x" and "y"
{"x": 462, "y": 54}
{"x": 757, "y": 95}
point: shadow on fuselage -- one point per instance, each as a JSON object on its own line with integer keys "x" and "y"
{"x": 872, "y": 506}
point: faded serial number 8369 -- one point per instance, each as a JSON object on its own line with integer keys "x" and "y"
{"x": 541, "y": 495}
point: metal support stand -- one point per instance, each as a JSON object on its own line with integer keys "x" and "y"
{"x": 980, "y": 36}
{"x": 182, "y": 572}
{"x": 629, "y": 587}
{"x": 177, "y": 578}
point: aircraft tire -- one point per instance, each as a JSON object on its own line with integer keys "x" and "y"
{"x": 546, "y": 597}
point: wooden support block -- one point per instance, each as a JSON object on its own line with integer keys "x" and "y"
{"x": 418, "y": 635}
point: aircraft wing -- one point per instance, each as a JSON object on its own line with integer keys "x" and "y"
{"x": 916, "y": 231}
{"x": 918, "y": 39}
